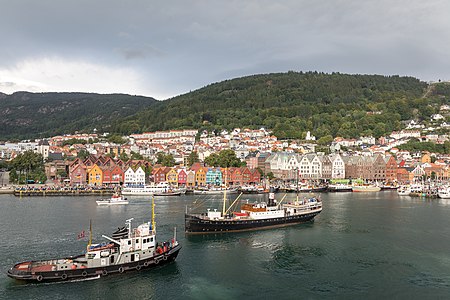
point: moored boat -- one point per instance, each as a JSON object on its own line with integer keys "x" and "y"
{"x": 444, "y": 192}
{"x": 339, "y": 187}
{"x": 168, "y": 193}
{"x": 128, "y": 249}
{"x": 216, "y": 191}
{"x": 404, "y": 190}
{"x": 366, "y": 188}
{"x": 115, "y": 199}
{"x": 145, "y": 190}
{"x": 253, "y": 216}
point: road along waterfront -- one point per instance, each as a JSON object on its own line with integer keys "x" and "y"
{"x": 361, "y": 245}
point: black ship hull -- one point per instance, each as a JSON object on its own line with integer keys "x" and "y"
{"x": 195, "y": 224}
{"x": 86, "y": 273}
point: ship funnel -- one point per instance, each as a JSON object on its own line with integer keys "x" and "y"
{"x": 271, "y": 197}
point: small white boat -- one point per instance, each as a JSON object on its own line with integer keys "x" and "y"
{"x": 444, "y": 192}
{"x": 404, "y": 190}
{"x": 115, "y": 199}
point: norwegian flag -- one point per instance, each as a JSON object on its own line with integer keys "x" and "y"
{"x": 81, "y": 235}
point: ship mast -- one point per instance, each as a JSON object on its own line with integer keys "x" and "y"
{"x": 153, "y": 213}
{"x": 90, "y": 233}
{"x": 297, "y": 170}
{"x": 225, "y": 193}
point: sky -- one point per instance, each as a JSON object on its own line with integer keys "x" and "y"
{"x": 162, "y": 49}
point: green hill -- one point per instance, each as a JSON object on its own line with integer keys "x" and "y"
{"x": 32, "y": 115}
{"x": 290, "y": 104}
{"x": 294, "y": 102}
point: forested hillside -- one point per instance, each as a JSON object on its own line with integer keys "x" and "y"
{"x": 32, "y": 115}
{"x": 292, "y": 103}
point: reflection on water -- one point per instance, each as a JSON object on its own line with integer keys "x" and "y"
{"x": 362, "y": 245}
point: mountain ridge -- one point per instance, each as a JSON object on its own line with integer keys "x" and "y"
{"x": 288, "y": 103}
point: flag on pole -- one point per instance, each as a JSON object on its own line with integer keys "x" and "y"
{"x": 81, "y": 235}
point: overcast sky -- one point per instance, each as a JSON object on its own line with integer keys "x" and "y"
{"x": 166, "y": 48}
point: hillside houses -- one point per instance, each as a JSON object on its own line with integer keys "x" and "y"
{"x": 365, "y": 157}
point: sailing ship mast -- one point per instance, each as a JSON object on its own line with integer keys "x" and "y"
{"x": 297, "y": 170}
{"x": 225, "y": 193}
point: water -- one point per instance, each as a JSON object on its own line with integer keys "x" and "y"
{"x": 361, "y": 246}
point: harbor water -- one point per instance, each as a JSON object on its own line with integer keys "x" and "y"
{"x": 362, "y": 245}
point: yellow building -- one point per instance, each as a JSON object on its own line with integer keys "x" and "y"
{"x": 95, "y": 175}
{"x": 200, "y": 177}
{"x": 172, "y": 177}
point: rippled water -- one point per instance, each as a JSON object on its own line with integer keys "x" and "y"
{"x": 361, "y": 246}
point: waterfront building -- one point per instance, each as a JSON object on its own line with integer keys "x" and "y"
{"x": 95, "y": 175}
{"x": 391, "y": 168}
{"x": 134, "y": 177}
{"x": 214, "y": 176}
{"x": 200, "y": 176}
{"x": 172, "y": 177}
{"x": 326, "y": 166}
{"x": 112, "y": 174}
{"x": 78, "y": 175}
{"x": 337, "y": 166}
{"x": 182, "y": 177}
{"x": 190, "y": 178}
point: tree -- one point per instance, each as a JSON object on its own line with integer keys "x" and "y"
{"x": 30, "y": 163}
{"x": 193, "y": 158}
{"x": 13, "y": 176}
{"x": 227, "y": 158}
{"x": 116, "y": 139}
{"x": 83, "y": 154}
{"x": 212, "y": 160}
{"x": 325, "y": 140}
{"x": 124, "y": 157}
{"x": 164, "y": 159}
{"x": 136, "y": 156}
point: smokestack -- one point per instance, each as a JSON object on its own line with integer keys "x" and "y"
{"x": 271, "y": 197}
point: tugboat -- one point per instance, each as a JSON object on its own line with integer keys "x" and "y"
{"x": 254, "y": 216}
{"x": 128, "y": 249}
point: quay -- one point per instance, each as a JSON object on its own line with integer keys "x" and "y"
{"x": 23, "y": 193}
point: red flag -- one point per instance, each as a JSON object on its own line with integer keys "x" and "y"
{"x": 81, "y": 235}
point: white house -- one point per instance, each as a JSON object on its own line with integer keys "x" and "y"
{"x": 310, "y": 166}
{"x": 134, "y": 177}
{"x": 337, "y": 167}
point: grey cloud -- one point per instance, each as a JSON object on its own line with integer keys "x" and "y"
{"x": 7, "y": 84}
{"x": 182, "y": 45}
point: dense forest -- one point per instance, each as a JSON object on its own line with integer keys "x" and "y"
{"x": 290, "y": 104}
{"x": 31, "y": 115}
